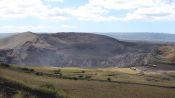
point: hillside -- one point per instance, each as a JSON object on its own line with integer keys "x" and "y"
{"x": 71, "y": 49}
{"x": 71, "y": 82}
{"x": 165, "y": 54}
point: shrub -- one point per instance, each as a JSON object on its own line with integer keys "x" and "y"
{"x": 60, "y": 75}
{"x": 166, "y": 79}
{"x": 109, "y": 79}
{"x": 71, "y": 78}
{"x": 111, "y": 75}
{"x": 82, "y": 71}
{"x": 27, "y": 69}
{"x": 38, "y": 73}
{"x": 88, "y": 77}
{"x": 81, "y": 77}
{"x": 4, "y": 65}
{"x": 48, "y": 86}
{"x": 57, "y": 71}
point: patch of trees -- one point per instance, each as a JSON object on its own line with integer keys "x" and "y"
{"x": 28, "y": 70}
{"x": 4, "y": 65}
{"x": 108, "y": 79}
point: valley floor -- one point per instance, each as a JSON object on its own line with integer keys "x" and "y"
{"x": 55, "y": 82}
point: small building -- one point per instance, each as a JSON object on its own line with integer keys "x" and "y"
{"x": 133, "y": 68}
{"x": 154, "y": 65}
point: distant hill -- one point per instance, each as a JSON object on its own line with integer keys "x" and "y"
{"x": 71, "y": 49}
{"x": 149, "y": 37}
{"x": 4, "y": 35}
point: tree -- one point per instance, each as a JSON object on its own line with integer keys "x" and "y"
{"x": 57, "y": 71}
{"x": 109, "y": 79}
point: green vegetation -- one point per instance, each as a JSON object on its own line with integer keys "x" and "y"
{"x": 109, "y": 79}
{"x": 3, "y": 65}
{"x": 12, "y": 88}
{"x": 54, "y": 82}
{"x": 57, "y": 71}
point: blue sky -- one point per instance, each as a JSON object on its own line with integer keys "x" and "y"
{"x": 87, "y": 16}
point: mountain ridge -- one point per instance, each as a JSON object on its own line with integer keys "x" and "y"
{"x": 144, "y": 36}
{"x": 70, "y": 49}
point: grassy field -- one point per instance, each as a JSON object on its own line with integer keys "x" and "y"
{"x": 87, "y": 83}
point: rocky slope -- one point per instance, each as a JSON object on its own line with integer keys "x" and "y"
{"x": 165, "y": 54}
{"x": 71, "y": 49}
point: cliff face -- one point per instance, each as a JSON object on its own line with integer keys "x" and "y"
{"x": 70, "y": 49}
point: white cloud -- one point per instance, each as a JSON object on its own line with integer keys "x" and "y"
{"x": 140, "y": 9}
{"x": 90, "y": 12}
{"x": 160, "y": 11}
{"x": 99, "y": 10}
{"x": 23, "y": 27}
{"x": 33, "y": 8}
{"x": 54, "y": 0}
{"x": 35, "y": 28}
{"x": 36, "y": 8}
{"x": 94, "y": 10}
{"x": 121, "y": 4}
{"x": 69, "y": 27}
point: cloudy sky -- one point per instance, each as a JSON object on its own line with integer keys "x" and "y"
{"x": 87, "y": 16}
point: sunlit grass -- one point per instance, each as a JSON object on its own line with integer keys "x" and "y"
{"x": 95, "y": 89}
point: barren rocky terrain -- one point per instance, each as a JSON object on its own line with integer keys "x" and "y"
{"x": 75, "y": 49}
